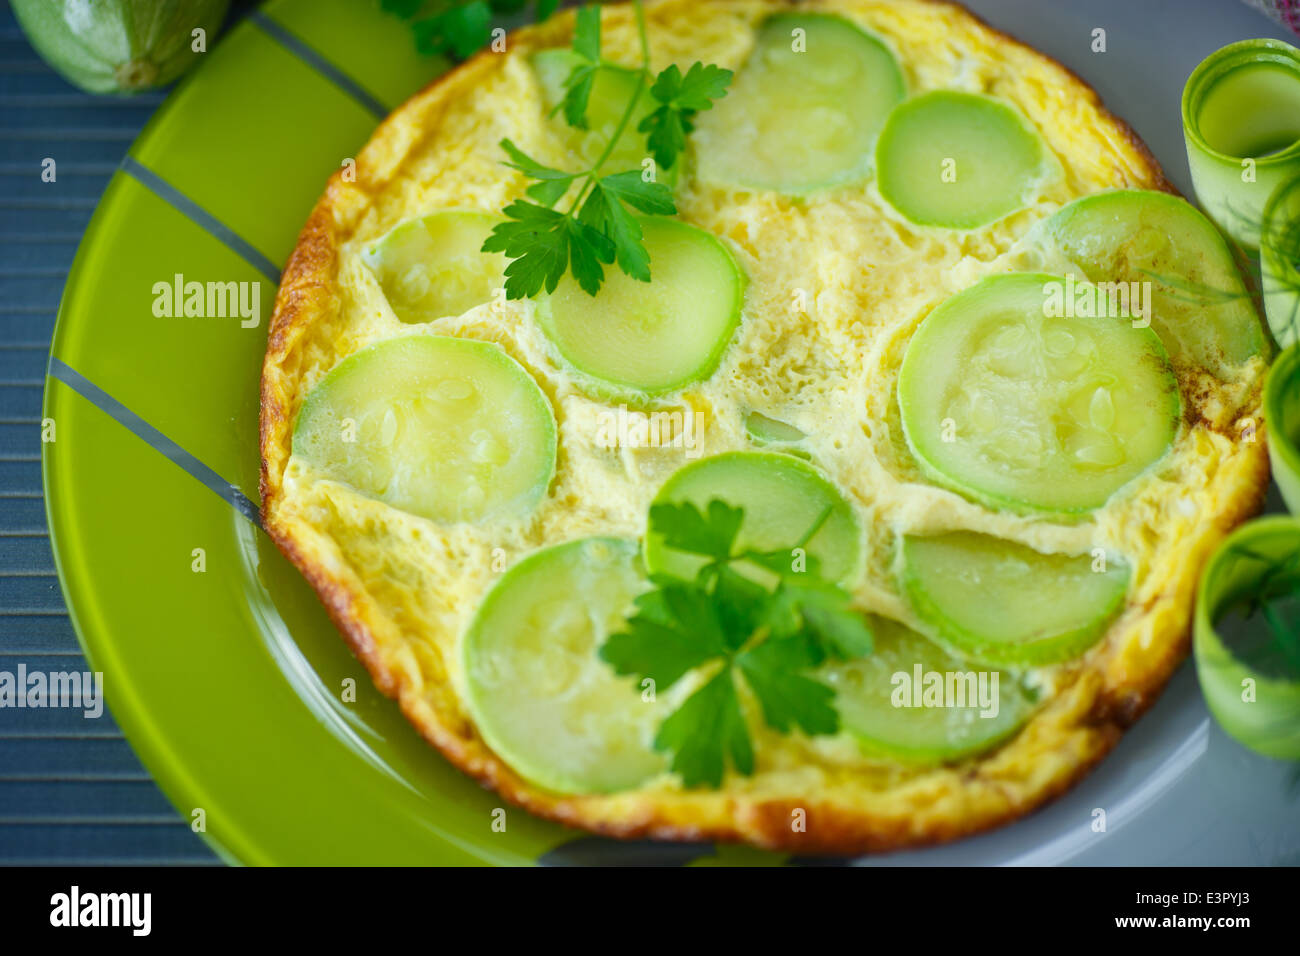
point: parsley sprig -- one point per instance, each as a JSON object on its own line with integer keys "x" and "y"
{"x": 600, "y": 227}
{"x": 680, "y": 97}
{"x": 457, "y": 28}
{"x": 725, "y": 621}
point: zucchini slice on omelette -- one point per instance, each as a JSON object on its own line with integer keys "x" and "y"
{"x": 923, "y": 295}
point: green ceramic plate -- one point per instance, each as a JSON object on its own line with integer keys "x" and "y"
{"x": 230, "y": 681}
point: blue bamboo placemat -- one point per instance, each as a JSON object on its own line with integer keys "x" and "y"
{"x": 71, "y": 789}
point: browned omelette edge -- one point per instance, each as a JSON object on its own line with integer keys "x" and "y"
{"x": 1095, "y": 715}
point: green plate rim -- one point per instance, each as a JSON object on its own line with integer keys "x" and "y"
{"x": 237, "y": 843}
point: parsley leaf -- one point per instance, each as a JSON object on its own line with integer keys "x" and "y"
{"x": 705, "y": 731}
{"x": 765, "y": 638}
{"x": 787, "y": 697}
{"x": 543, "y": 245}
{"x": 604, "y": 212}
{"x": 841, "y": 632}
{"x": 813, "y": 606}
{"x": 551, "y": 184}
{"x": 654, "y": 199}
{"x": 577, "y": 94}
{"x": 675, "y": 630}
{"x": 696, "y": 90}
{"x": 588, "y": 248}
{"x": 742, "y": 605}
{"x": 680, "y": 98}
{"x": 685, "y": 528}
{"x": 586, "y": 34}
{"x": 460, "y": 30}
{"x": 578, "y": 84}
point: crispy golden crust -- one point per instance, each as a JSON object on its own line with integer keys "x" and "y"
{"x": 1072, "y": 732}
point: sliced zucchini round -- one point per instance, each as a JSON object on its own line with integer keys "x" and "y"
{"x": 1198, "y": 304}
{"x": 432, "y": 267}
{"x": 1034, "y": 412}
{"x": 771, "y": 431}
{"x": 803, "y": 113}
{"x": 650, "y": 338}
{"x": 959, "y": 160}
{"x": 539, "y": 693}
{"x": 783, "y": 499}
{"x": 775, "y": 434}
{"x": 1243, "y": 636}
{"x": 1006, "y": 604}
{"x": 890, "y": 702}
{"x": 446, "y": 428}
{"x": 611, "y": 90}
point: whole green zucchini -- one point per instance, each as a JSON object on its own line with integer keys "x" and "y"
{"x": 120, "y": 46}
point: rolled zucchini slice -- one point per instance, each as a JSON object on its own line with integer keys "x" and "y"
{"x": 538, "y": 691}
{"x": 1279, "y": 250}
{"x": 1006, "y": 604}
{"x": 1244, "y": 636}
{"x": 1241, "y": 124}
{"x": 913, "y": 702}
{"x": 643, "y": 339}
{"x": 804, "y": 111}
{"x": 1169, "y": 265}
{"x": 445, "y": 428}
{"x": 1020, "y": 408}
{"x": 432, "y": 267}
{"x": 958, "y": 160}
{"x": 1282, "y": 424}
{"x": 783, "y": 498}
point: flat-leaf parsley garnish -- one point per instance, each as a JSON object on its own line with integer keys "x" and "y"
{"x": 600, "y": 226}
{"x": 680, "y": 98}
{"x": 458, "y": 28}
{"x": 738, "y": 630}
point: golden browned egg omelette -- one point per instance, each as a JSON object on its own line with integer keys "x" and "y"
{"x": 922, "y": 313}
